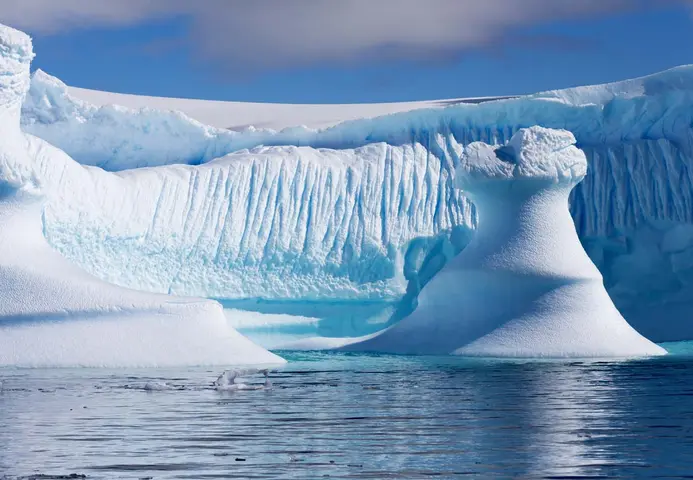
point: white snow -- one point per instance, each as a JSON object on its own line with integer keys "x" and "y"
{"x": 54, "y": 314}
{"x": 524, "y": 286}
{"x": 373, "y": 216}
{"x": 16, "y": 53}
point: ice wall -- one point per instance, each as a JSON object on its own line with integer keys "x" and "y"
{"x": 365, "y": 210}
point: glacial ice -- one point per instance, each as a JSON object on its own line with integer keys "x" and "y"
{"x": 362, "y": 212}
{"x": 52, "y": 312}
{"x": 523, "y": 286}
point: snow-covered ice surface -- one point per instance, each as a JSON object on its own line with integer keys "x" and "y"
{"x": 363, "y": 211}
{"x": 52, "y": 312}
{"x": 524, "y": 286}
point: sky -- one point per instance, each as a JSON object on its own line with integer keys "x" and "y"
{"x": 351, "y": 51}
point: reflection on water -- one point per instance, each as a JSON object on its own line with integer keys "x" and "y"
{"x": 351, "y": 416}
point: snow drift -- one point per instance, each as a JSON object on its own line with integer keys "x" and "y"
{"x": 52, "y": 312}
{"x": 364, "y": 211}
{"x": 523, "y": 286}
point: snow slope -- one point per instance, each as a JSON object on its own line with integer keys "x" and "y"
{"x": 364, "y": 210}
{"x": 524, "y": 286}
{"x": 52, "y": 312}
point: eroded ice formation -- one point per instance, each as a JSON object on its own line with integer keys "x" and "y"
{"x": 374, "y": 216}
{"x": 524, "y": 286}
{"x": 52, "y": 312}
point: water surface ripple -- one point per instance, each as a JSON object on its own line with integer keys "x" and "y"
{"x": 354, "y": 416}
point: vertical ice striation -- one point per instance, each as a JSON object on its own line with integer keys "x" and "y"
{"x": 524, "y": 286}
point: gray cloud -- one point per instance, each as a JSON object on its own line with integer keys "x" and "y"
{"x": 57, "y": 16}
{"x": 265, "y": 34}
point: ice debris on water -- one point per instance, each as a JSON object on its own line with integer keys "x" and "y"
{"x": 230, "y": 380}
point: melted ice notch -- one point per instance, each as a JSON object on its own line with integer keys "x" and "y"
{"x": 524, "y": 287}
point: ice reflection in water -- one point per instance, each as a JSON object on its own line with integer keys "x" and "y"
{"x": 568, "y": 408}
{"x": 350, "y": 416}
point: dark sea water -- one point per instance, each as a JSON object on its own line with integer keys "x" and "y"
{"x": 355, "y": 416}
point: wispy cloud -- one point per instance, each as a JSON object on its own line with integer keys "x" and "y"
{"x": 267, "y": 34}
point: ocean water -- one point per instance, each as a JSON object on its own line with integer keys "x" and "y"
{"x": 355, "y": 416}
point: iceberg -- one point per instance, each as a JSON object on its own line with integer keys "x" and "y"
{"x": 364, "y": 212}
{"x": 524, "y": 286}
{"x": 52, "y": 313}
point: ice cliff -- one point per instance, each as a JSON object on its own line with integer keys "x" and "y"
{"x": 524, "y": 286}
{"x": 365, "y": 211}
{"x": 54, "y": 313}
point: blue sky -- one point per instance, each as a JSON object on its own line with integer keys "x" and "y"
{"x": 172, "y": 55}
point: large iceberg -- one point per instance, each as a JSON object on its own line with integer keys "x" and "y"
{"x": 54, "y": 313}
{"x": 523, "y": 286}
{"x": 364, "y": 212}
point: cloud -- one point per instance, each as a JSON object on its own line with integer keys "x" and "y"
{"x": 268, "y": 34}
{"x": 58, "y": 16}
